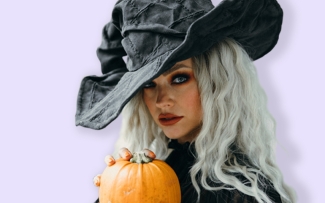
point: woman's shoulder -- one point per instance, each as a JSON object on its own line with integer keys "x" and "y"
{"x": 182, "y": 159}
{"x": 233, "y": 195}
{"x": 226, "y": 196}
{"x": 263, "y": 183}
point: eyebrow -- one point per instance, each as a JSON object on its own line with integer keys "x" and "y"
{"x": 175, "y": 67}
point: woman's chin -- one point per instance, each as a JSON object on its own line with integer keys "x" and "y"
{"x": 173, "y": 135}
{"x": 180, "y": 137}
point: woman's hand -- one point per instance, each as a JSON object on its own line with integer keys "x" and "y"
{"x": 125, "y": 154}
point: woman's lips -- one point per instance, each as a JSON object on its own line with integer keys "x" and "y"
{"x": 169, "y": 119}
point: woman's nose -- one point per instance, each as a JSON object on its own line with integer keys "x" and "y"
{"x": 164, "y": 97}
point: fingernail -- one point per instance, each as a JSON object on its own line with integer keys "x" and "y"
{"x": 149, "y": 153}
{"x": 110, "y": 161}
{"x": 126, "y": 154}
{"x": 96, "y": 180}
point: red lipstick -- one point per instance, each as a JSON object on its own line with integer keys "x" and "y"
{"x": 168, "y": 119}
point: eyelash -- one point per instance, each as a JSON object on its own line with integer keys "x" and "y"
{"x": 184, "y": 77}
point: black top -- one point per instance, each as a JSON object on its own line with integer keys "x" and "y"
{"x": 181, "y": 160}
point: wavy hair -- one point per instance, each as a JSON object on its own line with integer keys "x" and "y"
{"x": 237, "y": 135}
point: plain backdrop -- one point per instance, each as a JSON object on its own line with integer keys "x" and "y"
{"x": 47, "y": 47}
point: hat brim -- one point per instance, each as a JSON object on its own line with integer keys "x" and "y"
{"x": 255, "y": 25}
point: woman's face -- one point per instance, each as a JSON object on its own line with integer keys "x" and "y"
{"x": 173, "y": 100}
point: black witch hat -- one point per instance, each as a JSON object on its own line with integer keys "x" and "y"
{"x": 155, "y": 34}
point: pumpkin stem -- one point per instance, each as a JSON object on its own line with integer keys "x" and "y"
{"x": 140, "y": 157}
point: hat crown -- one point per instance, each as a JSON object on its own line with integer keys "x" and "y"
{"x": 156, "y": 35}
{"x": 153, "y": 28}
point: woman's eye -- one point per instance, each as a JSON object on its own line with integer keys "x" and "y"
{"x": 180, "y": 79}
{"x": 148, "y": 85}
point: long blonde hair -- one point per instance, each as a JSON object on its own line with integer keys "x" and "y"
{"x": 236, "y": 123}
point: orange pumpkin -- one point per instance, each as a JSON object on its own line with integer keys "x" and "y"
{"x": 139, "y": 180}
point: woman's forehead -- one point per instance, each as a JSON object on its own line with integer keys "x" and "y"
{"x": 181, "y": 64}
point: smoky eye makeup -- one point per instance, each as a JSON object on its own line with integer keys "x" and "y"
{"x": 149, "y": 84}
{"x": 176, "y": 77}
{"x": 179, "y": 78}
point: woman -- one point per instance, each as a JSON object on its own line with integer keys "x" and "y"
{"x": 195, "y": 101}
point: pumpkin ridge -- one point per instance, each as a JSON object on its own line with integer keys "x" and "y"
{"x": 122, "y": 167}
{"x": 171, "y": 177}
{"x": 166, "y": 181}
{"x": 104, "y": 179}
{"x": 129, "y": 177}
{"x": 154, "y": 172}
{"x": 139, "y": 186}
{"x": 153, "y": 182}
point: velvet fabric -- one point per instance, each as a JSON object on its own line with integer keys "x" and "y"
{"x": 154, "y": 35}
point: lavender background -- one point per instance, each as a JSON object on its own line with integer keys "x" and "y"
{"x": 47, "y": 47}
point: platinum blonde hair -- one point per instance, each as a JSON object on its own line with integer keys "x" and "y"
{"x": 237, "y": 135}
